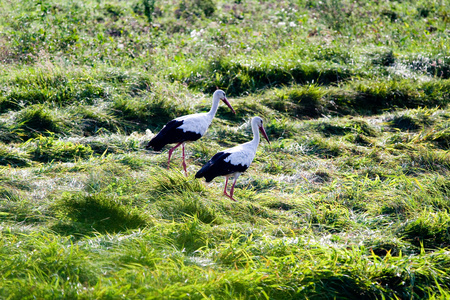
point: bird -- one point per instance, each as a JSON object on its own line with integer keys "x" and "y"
{"x": 234, "y": 161}
{"x": 187, "y": 128}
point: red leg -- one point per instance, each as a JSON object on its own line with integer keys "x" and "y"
{"x": 225, "y": 189}
{"x": 184, "y": 161}
{"x": 232, "y": 187}
{"x": 170, "y": 154}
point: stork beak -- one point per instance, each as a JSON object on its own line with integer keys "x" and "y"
{"x": 225, "y": 100}
{"x": 263, "y": 132}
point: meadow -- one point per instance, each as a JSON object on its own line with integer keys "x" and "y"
{"x": 350, "y": 200}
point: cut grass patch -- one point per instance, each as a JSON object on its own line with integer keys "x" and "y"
{"x": 174, "y": 182}
{"x": 38, "y": 120}
{"x": 378, "y": 96}
{"x": 47, "y": 149}
{"x": 429, "y": 230}
{"x": 238, "y": 76}
{"x": 10, "y": 156}
{"x": 298, "y": 101}
{"x": 95, "y": 120}
{"x": 154, "y": 110}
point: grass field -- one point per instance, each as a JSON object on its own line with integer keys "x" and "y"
{"x": 350, "y": 200}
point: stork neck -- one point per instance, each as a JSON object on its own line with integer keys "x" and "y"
{"x": 215, "y": 105}
{"x": 255, "y": 130}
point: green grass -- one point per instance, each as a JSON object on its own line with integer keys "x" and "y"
{"x": 350, "y": 200}
{"x": 13, "y": 157}
{"x": 83, "y": 214}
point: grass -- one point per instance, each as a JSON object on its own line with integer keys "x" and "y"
{"x": 84, "y": 214}
{"x": 350, "y": 199}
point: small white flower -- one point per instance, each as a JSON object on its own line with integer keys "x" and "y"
{"x": 194, "y": 33}
{"x": 197, "y": 33}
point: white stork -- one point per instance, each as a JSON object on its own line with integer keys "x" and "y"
{"x": 233, "y": 161}
{"x": 187, "y": 128}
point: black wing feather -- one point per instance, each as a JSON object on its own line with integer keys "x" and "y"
{"x": 217, "y": 166}
{"x": 171, "y": 134}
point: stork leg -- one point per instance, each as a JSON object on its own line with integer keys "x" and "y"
{"x": 232, "y": 187}
{"x": 225, "y": 189}
{"x": 184, "y": 161}
{"x": 170, "y": 153}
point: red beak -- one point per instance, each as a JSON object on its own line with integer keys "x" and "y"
{"x": 264, "y": 133}
{"x": 225, "y": 100}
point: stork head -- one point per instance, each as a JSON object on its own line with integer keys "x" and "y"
{"x": 219, "y": 94}
{"x": 259, "y": 122}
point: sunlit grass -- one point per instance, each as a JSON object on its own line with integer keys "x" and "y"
{"x": 350, "y": 199}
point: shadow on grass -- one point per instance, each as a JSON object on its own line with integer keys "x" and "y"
{"x": 87, "y": 214}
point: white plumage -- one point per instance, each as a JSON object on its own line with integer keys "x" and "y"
{"x": 197, "y": 123}
{"x": 241, "y": 155}
{"x": 233, "y": 161}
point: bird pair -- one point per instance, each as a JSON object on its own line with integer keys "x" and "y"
{"x": 229, "y": 163}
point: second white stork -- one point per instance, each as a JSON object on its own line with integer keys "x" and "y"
{"x": 234, "y": 161}
{"x": 187, "y": 128}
